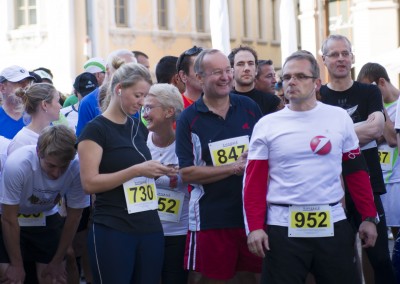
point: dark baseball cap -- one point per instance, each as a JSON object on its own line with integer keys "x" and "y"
{"x": 85, "y": 83}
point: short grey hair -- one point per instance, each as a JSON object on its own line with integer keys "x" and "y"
{"x": 324, "y": 47}
{"x": 169, "y": 96}
{"x": 198, "y": 63}
{"x": 304, "y": 55}
{"x": 120, "y": 53}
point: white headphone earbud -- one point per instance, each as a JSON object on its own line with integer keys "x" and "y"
{"x": 119, "y": 92}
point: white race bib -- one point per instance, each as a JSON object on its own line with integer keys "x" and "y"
{"x": 386, "y": 157}
{"x": 310, "y": 221}
{"x": 140, "y": 194}
{"x": 227, "y": 151}
{"x": 170, "y": 205}
{"x": 32, "y": 220}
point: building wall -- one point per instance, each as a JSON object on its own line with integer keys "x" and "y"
{"x": 70, "y": 31}
{"x": 371, "y": 25}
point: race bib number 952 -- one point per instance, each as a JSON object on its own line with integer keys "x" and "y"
{"x": 310, "y": 221}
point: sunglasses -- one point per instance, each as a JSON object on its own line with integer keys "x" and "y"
{"x": 190, "y": 52}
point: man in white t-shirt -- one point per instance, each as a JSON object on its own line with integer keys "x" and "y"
{"x": 33, "y": 181}
{"x": 294, "y": 165}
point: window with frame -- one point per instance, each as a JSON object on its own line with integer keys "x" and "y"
{"x": 200, "y": 23}
{"x": 162, "y": 14}
{"x": 245, "y": 19}
{"x": 25, "y": 13}
{"x": 121, "y": 7}
{"x": 276, "y": 33}
{"x": 261, "y": 18}
{"x": 340, "y": 17}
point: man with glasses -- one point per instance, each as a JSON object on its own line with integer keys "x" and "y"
{"x": 12, "y": 78}
{"x": 184, "y": 67}
{"x": 363, "y": 103}
{"x": 212, "y": 138}
{"x": 244, "y": 63}
{"x": 292, "y": 185}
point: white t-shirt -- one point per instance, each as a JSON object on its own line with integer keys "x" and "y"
{"x": 167, "y": 156}
{"x": 24, "y": 137}
{"x": 24, "y": 183}
{"x": 4, "y": 142}
{"x": 71, "y": 115}
{"x": 392, "y": 173}
{"x": 304, "y": 152}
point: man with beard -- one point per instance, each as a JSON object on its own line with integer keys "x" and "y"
{"x": 244, "y": 62}
{"x": 12, "y": 78}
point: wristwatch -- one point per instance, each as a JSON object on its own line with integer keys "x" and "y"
{"x": 374, "y": 220}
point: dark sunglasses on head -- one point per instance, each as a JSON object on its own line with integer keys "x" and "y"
{"x": 190, "y": 52}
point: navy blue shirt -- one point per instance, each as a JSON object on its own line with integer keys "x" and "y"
{"x": 215, "y": 205}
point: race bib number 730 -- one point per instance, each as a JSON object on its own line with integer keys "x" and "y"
{"x": 140, "y": 194}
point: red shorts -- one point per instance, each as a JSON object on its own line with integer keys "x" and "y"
{"x": 220, "y": 253}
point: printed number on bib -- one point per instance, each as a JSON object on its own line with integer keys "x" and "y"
{"x": 170, "y": 205}
{"x": 386, "y": 157}
{"x": 140, "y": 194}
{"x": 310, "y": 221}
{"x": 227, "y": 151}
{"x": 32, "y": 220}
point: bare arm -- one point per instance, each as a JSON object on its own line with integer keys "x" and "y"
{"x": 372, "y": 129}
{"x": 389, "y": 133}
{"x": 398, "y": 139}
{"x": 11, "y": 236}
{"x": 55, "y": 269}
{"x": 209, "y": 174}
{"x": 90, "y": 154}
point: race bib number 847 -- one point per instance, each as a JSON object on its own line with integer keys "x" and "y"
{"x": 227, "y": 151}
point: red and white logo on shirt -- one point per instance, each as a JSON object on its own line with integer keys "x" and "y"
{"x": 321, "y": 145}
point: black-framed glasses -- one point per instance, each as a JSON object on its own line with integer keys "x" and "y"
{"x": 298, "y": 77}
{"x": 190, "y": 52}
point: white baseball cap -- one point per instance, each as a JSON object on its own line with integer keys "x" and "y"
{"x": 14, "y": 74}
{"x": 44, "y": 75}
{"x": 95, "y": 65}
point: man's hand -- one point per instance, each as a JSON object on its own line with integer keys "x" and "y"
{"x": 257, "y": 241}
{"x": 55, "y": 272}
{"x": 240, "y": 164}
{"x": 368, "y": 234}
{"x": 14, "y": 274}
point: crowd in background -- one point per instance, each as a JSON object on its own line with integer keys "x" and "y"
{"x": 205, "y": 176}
